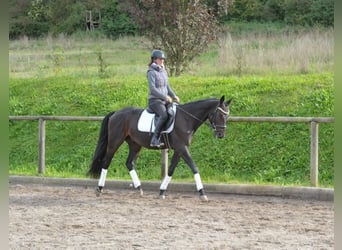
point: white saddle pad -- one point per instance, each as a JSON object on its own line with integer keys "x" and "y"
{"x": 146, "y": 122}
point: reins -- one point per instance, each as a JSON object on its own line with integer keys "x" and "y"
{"x": 213, "y": 125}
{"x": 191, "y": 115}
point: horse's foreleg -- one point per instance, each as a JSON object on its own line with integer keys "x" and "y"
{"x": 187, "y": 158}
{"x": 167, "y": 179}
{"x": 136, "y": 181}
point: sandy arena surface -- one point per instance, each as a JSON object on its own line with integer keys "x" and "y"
{"x": 52, "y": 217}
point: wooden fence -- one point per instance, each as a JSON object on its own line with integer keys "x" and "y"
{"x": 314, "y": 121}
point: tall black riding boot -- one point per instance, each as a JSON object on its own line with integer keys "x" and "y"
{"x": 155, "y": 141}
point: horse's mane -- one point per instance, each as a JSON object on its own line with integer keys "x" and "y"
{"x": 199, "y": 102}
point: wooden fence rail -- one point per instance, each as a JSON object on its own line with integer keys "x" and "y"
{"x": 314, "y": 122}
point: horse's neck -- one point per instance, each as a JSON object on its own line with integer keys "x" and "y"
{"x": 205, "y": 108}
{"x": 202, "y": 113}
{"x": 201, "y": 110}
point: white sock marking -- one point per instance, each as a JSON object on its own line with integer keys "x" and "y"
{"x": 199, "y": 184}
{"x": 135, "y": 178}
{"x": 165, "y": 182}
{"x": 102, "y": 179}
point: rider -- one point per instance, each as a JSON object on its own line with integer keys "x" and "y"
{"x": 160, "y": 93}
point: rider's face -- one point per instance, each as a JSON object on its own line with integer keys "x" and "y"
{"x": 160, "y": 61}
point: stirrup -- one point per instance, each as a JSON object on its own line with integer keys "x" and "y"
{"x": 161, "y": 144}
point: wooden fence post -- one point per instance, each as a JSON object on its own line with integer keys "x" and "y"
{"x": 314, "y": 154}
{"x": 41, "y": 153}
{"x": 164, "y": 163}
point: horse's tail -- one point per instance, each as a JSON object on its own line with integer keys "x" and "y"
{"x": 101, "y": 148}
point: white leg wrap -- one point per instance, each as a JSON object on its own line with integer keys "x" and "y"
{"x": 199, "y": 184}
{"x": 135, "y": 178}
{"x": 165, "y": 182}
{"x": 102, "y": 179}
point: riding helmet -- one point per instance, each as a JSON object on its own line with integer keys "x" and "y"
{"x": 157, "y": 54}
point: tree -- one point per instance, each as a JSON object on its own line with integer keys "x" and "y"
{"x": 183, "y": 28}
{"x": 114, "y": 22}
{"x": 26, "y": 18}
{"x": 67, "y": 16}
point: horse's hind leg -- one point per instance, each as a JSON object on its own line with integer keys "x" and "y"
{"x": 102, "y": 179}
{"x": 111, "y": 149}
{"x": 134, "y": 150}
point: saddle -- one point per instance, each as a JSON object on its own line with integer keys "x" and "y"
{"x": 148, "y": 120}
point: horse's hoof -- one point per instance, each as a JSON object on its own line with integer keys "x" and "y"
{"x": 141, "y": 191}
{"x": 162, "y": 194}
{"x": 98, "y": 191}
{"x": 204, "y": 198}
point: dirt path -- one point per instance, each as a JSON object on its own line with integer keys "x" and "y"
{"x": 46, "y": 217}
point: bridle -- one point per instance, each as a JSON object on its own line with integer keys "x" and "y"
{"x": 212, "y": 122}
{"x": 219, "y": 127}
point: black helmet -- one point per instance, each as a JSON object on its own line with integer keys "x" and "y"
{"x": 157, "y": 54}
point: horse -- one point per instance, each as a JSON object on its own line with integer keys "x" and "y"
{"x": 119, "y": 126}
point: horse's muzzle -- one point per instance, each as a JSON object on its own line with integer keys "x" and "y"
{"x": 219, "y": 134}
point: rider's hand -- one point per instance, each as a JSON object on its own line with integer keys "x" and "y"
{"x": 168, "y": 99}
{"x": 176, "y": 99}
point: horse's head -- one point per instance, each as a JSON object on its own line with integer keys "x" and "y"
{"x": 219, "y": 116}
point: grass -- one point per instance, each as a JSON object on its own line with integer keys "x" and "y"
{"x": 286, "y": 52}
{"x": 92, "y": 76}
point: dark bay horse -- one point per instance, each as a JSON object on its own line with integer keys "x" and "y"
{"x": 121, "y": 125}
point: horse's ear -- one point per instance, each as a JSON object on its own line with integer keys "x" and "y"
{"x": 229, "y": 101}
{"x": 222, "y": 99}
